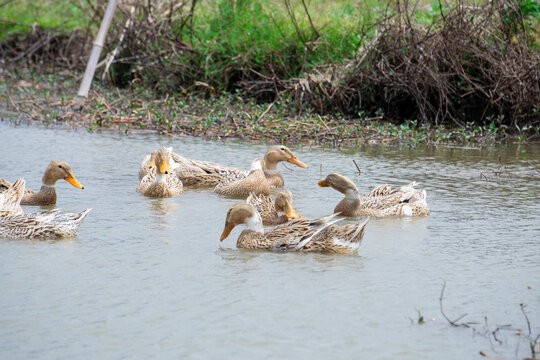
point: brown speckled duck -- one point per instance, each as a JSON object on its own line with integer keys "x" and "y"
{"x": 255, "y": 183}
{"x": 274, "y": 212}
{"x": 318, "y": 235}
{"x": 14, "y": 224}
{"x": 160, "y": 182}
{"x": 57, "y": 170}
{"x": 204, "y": 173}
{"x": 381, "y": 201}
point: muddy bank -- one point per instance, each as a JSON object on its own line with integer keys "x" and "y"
{"x": 48, "y": 97}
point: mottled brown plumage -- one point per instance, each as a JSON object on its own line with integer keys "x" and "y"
{"x": 274, "y": 212}
{"x": 57, "y": 170}
{"x": 199, "y": 173}
{"x": 255, "y": 183}
{"x": 10, "y": 199}
{"x": 381, "y": 201}
{"x": 318, "y": 235}
{"x": 159, "y": 181}
{"x": 15, "y": 224}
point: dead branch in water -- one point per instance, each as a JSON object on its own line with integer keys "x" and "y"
{"x": 454, "y": 322}
{"x": 357, "y": 167}
{"x": 504, "y": 173}
{"x": 534, "y": 342}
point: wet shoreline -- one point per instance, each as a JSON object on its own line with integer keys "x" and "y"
{"x": 49, "y": 99}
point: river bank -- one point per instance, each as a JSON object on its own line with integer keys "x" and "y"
{"x": 49, "y": 97}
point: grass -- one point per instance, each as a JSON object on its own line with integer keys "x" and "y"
{"x": 231, "y": 42}
{"x": 18, "y": 16}
{"x": 258, "y": 35}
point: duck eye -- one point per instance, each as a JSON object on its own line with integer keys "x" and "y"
{"x": 282, "y": 149}
{"x": 60, "y": 166}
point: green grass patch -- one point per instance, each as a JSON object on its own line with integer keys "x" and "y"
{"x": 259, "y": 34}
{"x": 19, "y": 16}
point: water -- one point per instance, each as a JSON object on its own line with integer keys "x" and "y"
{"x": 149, "y": 277}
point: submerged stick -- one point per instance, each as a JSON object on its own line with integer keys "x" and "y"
{"x": 359, "y": 172}
{"x": 453, "y": 323}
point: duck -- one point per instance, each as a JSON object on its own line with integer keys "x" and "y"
{"x": 319, "y": 235}
{"x": 199, "y": 173}
{"x": 255, "y": 183}
{"x": 159, "y": 181}
{"x": 148, "y": 163}
{"x": 380, "y": 202}
{"x": 275, "y": 212}
{"x": 57, "y": 170}
{"x": 14, "y": 224}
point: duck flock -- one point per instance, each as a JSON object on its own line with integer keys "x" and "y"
{"x": 271, "y": 222}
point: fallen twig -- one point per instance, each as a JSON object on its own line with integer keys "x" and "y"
{"x": 266, "y": 111}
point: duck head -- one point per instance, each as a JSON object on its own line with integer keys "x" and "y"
{"x": 242, "y": 213}
{"x": 279, "y": 153}
{"x": 340, "y": 183}
{"x": 60, "y": 170}
{"x": 284, "y": 203}
{"x": 160, "y": 159}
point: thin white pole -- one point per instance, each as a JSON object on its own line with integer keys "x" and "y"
{"x": 96, "y": 50}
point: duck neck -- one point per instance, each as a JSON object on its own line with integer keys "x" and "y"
{"x": 269, "y": 163}
{"x": 49, "y": 190}
{"x": 255, "y": 224}
{"x": 48, "y": 180}
{"x": 351, "y": 195}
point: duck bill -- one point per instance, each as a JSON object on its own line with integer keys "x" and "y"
{"x": 290, "y": 212}
{"x": 152, "y": 162}
{"x": 323, "y": 183}
{"x": 164, "y": 168}
{"x": 71, "y": 179}
{"x": 294, "y": 160}
{"x": 228, "y": 228}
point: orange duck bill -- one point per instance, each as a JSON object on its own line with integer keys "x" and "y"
{"x": 290, "y": 212}
{"x": 71, "y": 179}
{"x": 228, "y": 228}
{"x": 294, "y": 160}
{"x": 323, "y": 183}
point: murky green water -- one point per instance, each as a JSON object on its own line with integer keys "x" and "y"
{"x": 149, "y": 278}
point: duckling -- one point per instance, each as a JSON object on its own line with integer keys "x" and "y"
{"x": 57, "y": 170}
{"x": 381, "y": 201}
